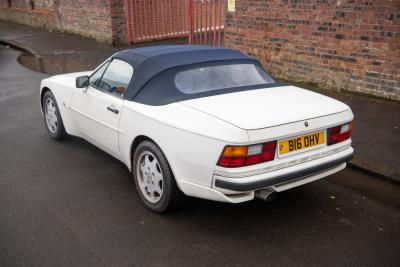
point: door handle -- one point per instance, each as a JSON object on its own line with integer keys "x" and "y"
{"x": 112, "y": 109}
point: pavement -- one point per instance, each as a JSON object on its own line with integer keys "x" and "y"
{"x": 69, "y": 203}
{"x": 376, "y": 127}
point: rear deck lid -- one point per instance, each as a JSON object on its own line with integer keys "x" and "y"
{"x": 268, "y": 107}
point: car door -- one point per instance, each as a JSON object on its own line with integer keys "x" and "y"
{"x": 97, "y": 108}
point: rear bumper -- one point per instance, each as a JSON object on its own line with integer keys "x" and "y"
{"x": 250, "y": 186}
{"x": 240, "y": 186}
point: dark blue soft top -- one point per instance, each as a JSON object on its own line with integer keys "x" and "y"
{"x": 147, "y": 62}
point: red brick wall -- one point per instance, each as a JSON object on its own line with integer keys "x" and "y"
{"x": 37, "y": 13}
{"x": 88, "y": 18}
{"x": 91, "y": 18}
{"x": 119, "y": 32}
{"x": 336, "y": 44}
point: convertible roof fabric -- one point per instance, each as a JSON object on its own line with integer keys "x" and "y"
{"x": 147, "y": 62}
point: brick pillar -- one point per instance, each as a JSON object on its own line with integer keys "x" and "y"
{"x": 118, "y": 24}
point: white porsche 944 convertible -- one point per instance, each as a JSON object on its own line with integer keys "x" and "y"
{"x": 200, "y": 121}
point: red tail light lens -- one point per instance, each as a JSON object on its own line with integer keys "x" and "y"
{"x": 269, "y": 151}
{"x": 339, "y": 133}
{"x": 240, "y": 156}
{"x": 232, "y": 162}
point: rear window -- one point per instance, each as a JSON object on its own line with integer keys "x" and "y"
{"x": 211, "y": 78}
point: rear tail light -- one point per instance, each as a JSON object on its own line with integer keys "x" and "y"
{"x": 339, "y": 133}
{"x": 240, "y": 156}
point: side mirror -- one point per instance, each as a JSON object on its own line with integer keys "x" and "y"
{"x": 82, "y": 82}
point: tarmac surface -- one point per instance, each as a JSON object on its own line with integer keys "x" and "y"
{"x": 68, "y": 203}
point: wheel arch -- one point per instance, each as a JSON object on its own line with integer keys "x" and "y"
{"x": 42, "y": 92}
{"x": 141, "y": 138}
{"x": 59, "y": 96}
{"x": 135, "y": 143}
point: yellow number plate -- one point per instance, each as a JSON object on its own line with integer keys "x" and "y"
{"x": 301, "y": 142}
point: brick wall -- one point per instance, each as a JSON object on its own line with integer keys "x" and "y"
{"x": 38, "y": 13}
{"x": 90, "y": 18}
{"x": 119, "y": 33}
{"x": 349, "y": 45}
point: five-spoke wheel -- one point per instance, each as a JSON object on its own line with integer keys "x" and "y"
{"x": 150, "y": 177}
{"x": 154, "y": 180}
{"x": 52, "y": 116}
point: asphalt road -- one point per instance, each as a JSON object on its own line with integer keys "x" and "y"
{"x": 68, "y": 203}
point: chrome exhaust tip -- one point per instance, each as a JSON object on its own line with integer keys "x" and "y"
{"x": 265, "y": 195}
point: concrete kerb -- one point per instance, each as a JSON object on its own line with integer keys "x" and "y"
{"x": 24, "y": 49}
{"x": 376, "y": 171}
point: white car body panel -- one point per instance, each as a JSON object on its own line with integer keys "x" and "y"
{"x": 267, "y": 107}
{"x": 62, "y": 87}
{"x": 92, "y": 117}
{"x": 193, "y": 133}
{"x": 297, "y": 128}
{"x": 179, "y": 132}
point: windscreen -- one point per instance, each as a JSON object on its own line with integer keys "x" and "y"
{"x": 211, "y": 78}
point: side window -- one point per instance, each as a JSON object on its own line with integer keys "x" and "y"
{"x": 95, "y": 78}
{"x": 116, "y": 78}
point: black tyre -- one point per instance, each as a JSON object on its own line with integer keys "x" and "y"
{"x": 153, "y": 178}
{"x": 52, "y": 117}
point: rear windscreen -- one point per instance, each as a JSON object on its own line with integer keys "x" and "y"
{"x": 211, "y": 78}
{"x": 204, "y": 80}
